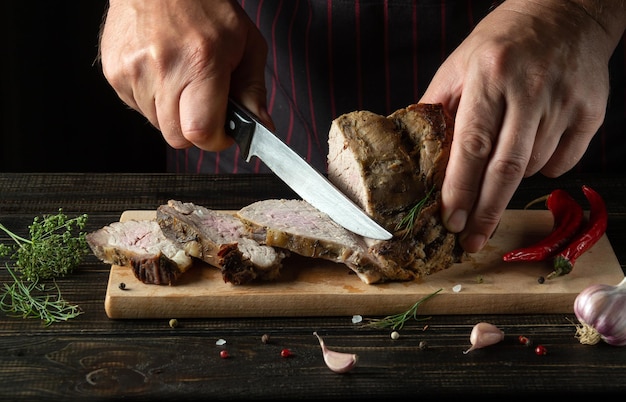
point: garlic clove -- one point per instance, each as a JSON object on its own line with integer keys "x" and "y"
{"x": 337, "y": 361}
{"x": 484, "y": 334}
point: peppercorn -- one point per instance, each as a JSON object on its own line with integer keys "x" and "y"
{"x": 541, "y": 350}
{"x": 122, "y": 286}
{"x": 265, "y": 338}
{"x": 285, "y": 353}
{"x": 173, "y": 323}
{"x": 224, "y": 354}
{"x": 541, "y": 280}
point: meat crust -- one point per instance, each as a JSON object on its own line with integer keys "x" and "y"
{"x": 393, "y": 167}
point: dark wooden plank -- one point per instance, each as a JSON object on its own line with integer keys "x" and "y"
{"x": 141, "y": 362}
{"x": 95, "y": 358}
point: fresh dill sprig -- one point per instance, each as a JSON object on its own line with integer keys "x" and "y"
{"x": 28, "y": 299}
{"x": 55, "y": 248}
{"x": 397, "y": 321}
{"x": 408, "y": 221}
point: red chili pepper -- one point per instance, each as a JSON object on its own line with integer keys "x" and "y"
{"x": 568, "y": 216}
{"x": 586, "y": 238}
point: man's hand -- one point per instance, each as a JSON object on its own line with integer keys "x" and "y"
{"x": 528, "y": 88}
{"x": 177, "y": 62}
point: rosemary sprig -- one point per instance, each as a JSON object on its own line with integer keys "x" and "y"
{"x": 32, "y": 299}
{"x": 408, "y": 221}
{"x": 397, "y": 321}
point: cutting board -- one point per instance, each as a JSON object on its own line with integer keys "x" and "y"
{"x": 314, "y": 287}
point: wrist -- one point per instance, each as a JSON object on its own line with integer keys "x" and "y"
{"x": 602, "y": 22}
{"x": 610, "y": 15}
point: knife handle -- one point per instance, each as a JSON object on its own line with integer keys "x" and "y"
{"x": 240, "y": 125}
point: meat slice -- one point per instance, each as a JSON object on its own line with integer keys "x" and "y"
{"x": 393, "y": 167}
{"x": 299, "y": 227}
{"x": 142, "y": 246}
{"x": 220, "y": 239}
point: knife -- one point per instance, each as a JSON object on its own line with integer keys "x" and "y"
{"x": 254, "y": 139}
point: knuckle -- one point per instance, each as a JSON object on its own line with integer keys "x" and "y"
{"x": 489, "y": 218}
{"x": 476, "y": 144}
{"x": 497, "y": 61}
{"x": 590, "y": 116}
{"x": 509, "y": 170}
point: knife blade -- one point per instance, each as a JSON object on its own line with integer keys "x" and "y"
{"x": 254, "y": 139}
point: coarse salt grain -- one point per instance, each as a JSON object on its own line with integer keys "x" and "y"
{"x": 456, "y": 288}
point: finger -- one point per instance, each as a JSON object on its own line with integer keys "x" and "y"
{"x": 156, "y": 98}
{"x": 503, "y": 174}
{"x": 444, "y": 88}
{"x": 573, "y": 143}
{"x": 128, "y": 77}
{"x": 477, "y": 124}
{"x": 549, "y": 133}
{"x": 168, "y": 116}
{"x": 203, "y": 105}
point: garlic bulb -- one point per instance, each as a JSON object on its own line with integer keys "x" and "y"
{"x": 484, "y": 334}
{"x": 337, "y": 361}
{"x": 601, "y": 309}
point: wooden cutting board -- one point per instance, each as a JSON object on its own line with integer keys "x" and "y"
{"x": 313, "y": 287}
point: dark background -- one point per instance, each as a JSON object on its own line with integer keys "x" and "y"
{"x": 58, "y": 112}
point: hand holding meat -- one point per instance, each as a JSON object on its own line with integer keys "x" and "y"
{"x": 176, "y": 62}
{"x": 529, "y": 87}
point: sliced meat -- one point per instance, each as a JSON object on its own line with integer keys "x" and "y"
{"x": 299, "y": 227}
{"x": 141, "y": 245}
{"x": 393, "y": 167}
{"x": 220, "y": 239}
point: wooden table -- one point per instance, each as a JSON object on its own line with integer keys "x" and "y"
{"x": 95, "y": 358}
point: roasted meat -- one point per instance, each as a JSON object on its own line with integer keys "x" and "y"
{"x": 297, "y": 226}
{"x": 142, "y": 246}
{"x": 393, "y": 167}
{"x": 219, "y": 239}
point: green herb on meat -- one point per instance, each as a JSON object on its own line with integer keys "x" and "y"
{"x": 408, "y": 220}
